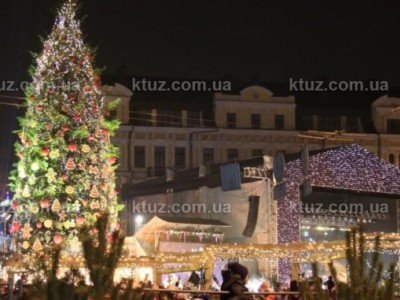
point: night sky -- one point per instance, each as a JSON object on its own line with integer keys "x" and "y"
{"x": 242, "y": 40}
{"x": 265, "y": 40}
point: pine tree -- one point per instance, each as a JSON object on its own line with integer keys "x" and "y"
{"x": 364, "y": 282}
{"x": 102, "y": 250}
{"x": 64, "y": 178}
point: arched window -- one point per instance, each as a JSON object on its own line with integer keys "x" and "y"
{"x": 391, "y": 158}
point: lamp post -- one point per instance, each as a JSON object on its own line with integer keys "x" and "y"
{"x": 138, "y": 222}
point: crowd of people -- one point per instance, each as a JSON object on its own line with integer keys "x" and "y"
{"x": 234, "y": 279}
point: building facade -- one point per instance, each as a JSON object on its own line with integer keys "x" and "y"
{"x": 247, "y": 124}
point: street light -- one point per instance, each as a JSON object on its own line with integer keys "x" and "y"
{"x": 138, "y": 222}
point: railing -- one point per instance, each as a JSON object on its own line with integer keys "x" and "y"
{"x": 281, "y": 293}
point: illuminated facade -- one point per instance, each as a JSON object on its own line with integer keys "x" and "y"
{"x": 157, "y": 135}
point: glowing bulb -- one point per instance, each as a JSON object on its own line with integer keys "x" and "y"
{"x": 35, "y": 166}
{"x": 139, "y": 219}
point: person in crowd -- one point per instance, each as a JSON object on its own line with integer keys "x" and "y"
{"x": 294, "y": 287}
{"x": 265, "y": 287}
{"x": 330, "y": 284}
{"x": 234, "y": 280}
{"x": 194, "y": 279}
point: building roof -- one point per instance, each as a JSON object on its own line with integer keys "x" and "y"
{"x": 190, "y": 180}
{"x": 349, "y": 167}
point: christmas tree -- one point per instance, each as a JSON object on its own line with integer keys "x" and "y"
{"x": 64, "y": 178}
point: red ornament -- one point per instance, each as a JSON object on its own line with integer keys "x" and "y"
{"x": 104, "y": 131}
{"x": 14, "y": 204}
{"x": 91, "y": 137}
{"x": 77, "y": 117}
{"x": 39, "y": 107}
{"x": 65, "y": 128}
{"x": 48, "y": 125}
{"x": 110, "y": 238}
{"x": 112, "y": 159}
{"x": 44, "y": 203}
{"x": 72, "y": 97}
{"x": 45, "y": 151}
{"x": 80, "y": 220}
{"x": 15, "y": 227}
{"x": 57, "y": 239}
{"x": 39, "y": 225}
{"x": 72, "y": 147}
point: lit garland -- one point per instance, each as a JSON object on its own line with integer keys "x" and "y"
{"x": 64, "y": 178}
{"x": 350, "y": 168}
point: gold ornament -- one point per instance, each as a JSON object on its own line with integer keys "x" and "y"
{"x": 86, "y": 185}
{"x": 94, "y": 193}
{"x": 69, "y": 190}
{"x": 86, "y": 148}
{"x": 95, "y": 205}
{"x": 98, "y": 133}
{"x": 54, "y": 154}
{"x": 105, "y": 172}
{"x": 48, "y": 223}
{"x": 82, "y": 165}
{"x": 51, "y": 175}
{"x": 21, "y": 171}
{"x": 37, "y": 245}
{"x": 93, "y": 170}
{"x": 26, "y": 192}
{"x": 70, "y": 165}
{"x": 25, "y": 245}
{"x": 62, "y": 216}
{"x": 34, "y": 208}
{"x": 56, "y": 206}
{"x": 26, "y": 231}
{"x": 94, "y": 159}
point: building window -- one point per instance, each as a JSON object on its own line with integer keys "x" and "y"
{"x": 232, "y": 154}
{"x": 140, "y": 157}
{"x": 169, "y": 118}
{"x": 141, "y": 117}
{"x": 255, "y": 121}
{"x": 257, "y": 152}
{"x": 391, "y": 158}
{"x": 393, "y": 126}
{"x": 180, "y": 157}
{"x": 193, "y": 118}
{"x": 208, "y": 156}
{"x": 231, "y": 120}
{"x": 351, "y": 124}
{"x": 279, "y": 122}
{"x": 329, "y": 123}
{"x": 159, "y": 161}
{"x": 307, "y": 122}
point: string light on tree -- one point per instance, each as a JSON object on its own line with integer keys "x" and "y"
{"x": 63, "y": 133}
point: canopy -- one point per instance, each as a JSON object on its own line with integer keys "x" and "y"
{"x": 152, "y": 230}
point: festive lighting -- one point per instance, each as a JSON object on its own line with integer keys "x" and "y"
{"x": 348, "y": 168}
{"x": 65, "y": 174}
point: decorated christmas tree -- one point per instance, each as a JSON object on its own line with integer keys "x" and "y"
{"x": 64, "y": 178}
